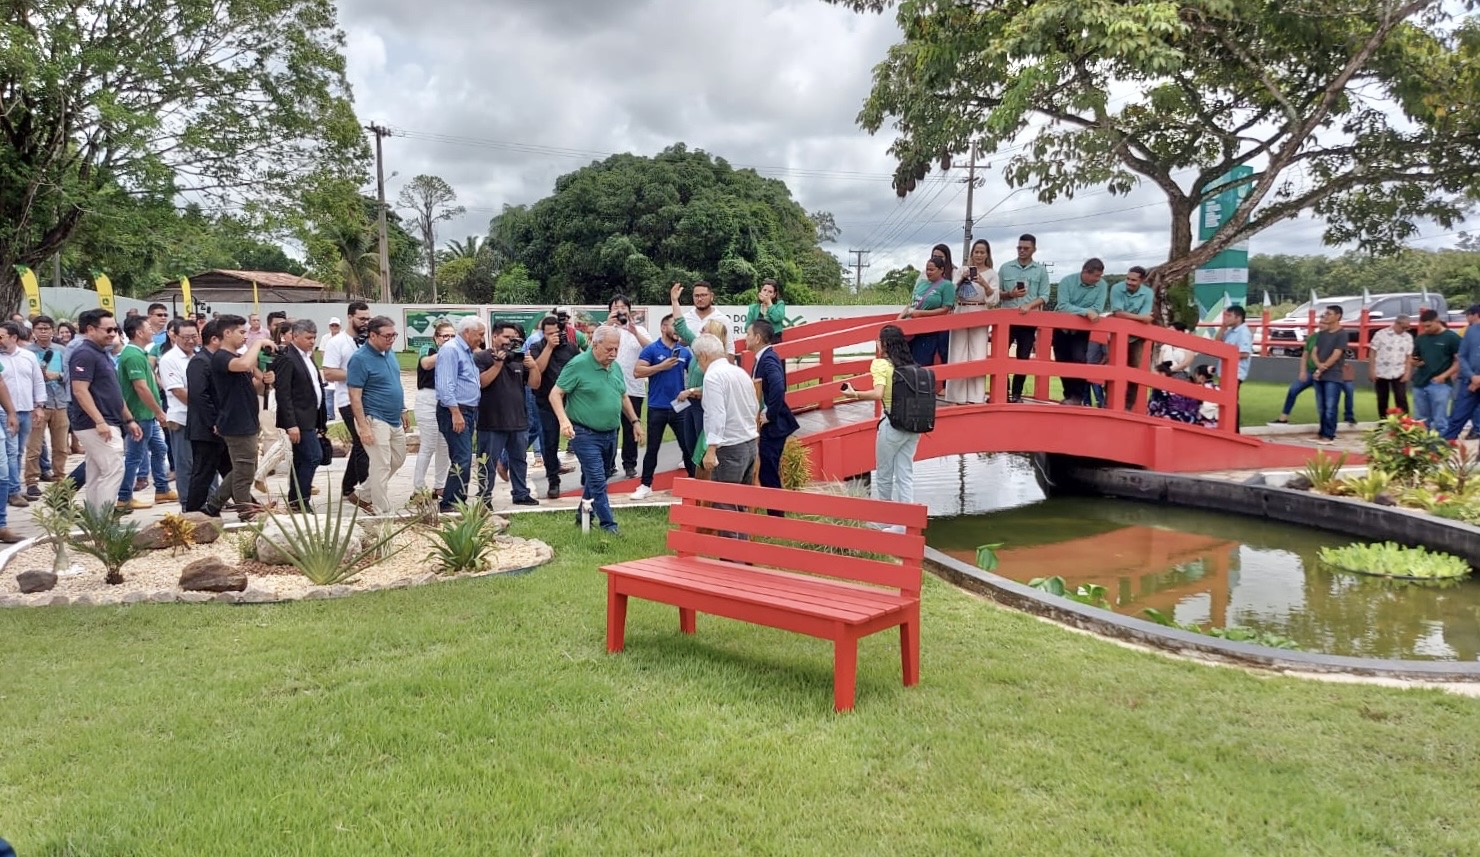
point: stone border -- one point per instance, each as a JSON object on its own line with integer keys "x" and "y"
{"x": 250, "y": 595}
{"x": 1353, "y": 517}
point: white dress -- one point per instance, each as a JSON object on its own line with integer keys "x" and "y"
{"x": 968, "y": 345}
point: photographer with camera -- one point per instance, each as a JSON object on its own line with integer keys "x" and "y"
{"x": 634, "y": 338}
{"x": 503, "y": 422}
{"x": 50, "y": 417}
{"x": 555, "y": 348}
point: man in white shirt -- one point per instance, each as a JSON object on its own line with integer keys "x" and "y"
{"x": 730, "y": 411}
{"x": 688, "y": 325}
{"x": 185, "y": 341}
{"x": 337, "y": 353}
{"x": 634, "y": 338}
{"x": 27, "y": 387}
{"x": 1389, "y": 368}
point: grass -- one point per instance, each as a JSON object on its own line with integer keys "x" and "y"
{"x": 484, "y": 717}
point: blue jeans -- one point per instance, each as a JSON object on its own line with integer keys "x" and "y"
{"x": 307, "y": 456}
{"x": 1431, "y": 404}
{"x": 15, "y": 448}
{"x": 138, "y": 455}
{"x": 459, "y": 454}
{"x": 1297, "y": 387}
{"x": 532, "y": 412}
{"x": 1463, "y": 409}
{"x": 511, "y": 447}
{"x": 1328, "y": 401}
{"x": 594, "y": 449}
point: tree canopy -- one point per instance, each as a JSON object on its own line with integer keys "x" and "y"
{"x": 107, "y": 108}
{"x": 635, "y": 225}
{"x": 1365, "y": 113}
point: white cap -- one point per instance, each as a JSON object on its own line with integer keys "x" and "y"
{"x": 334, "y": 322}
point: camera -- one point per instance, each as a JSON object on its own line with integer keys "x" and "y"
{"x": 564, "y": 337}
{"x": 268, "y": 348}
{"x": 621, "y": 318}
{"x": 516, "y": 350}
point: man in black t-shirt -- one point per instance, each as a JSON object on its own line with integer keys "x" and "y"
{"x": 550, "y": 355}
{"x": 238, "y": 383}
{"x": 208, "y": 458}
{"x": 503, "y": 421}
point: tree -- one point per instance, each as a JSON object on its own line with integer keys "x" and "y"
{"x": 634, "y": 225}
{"x": 430, "y": 199}
{"x": 468, "y": 248}
{"x": 1366, "y": 114}
{"x": 827, "y": 227}
{"x": 515, "y": 286}
{"x": 104, "y": 103}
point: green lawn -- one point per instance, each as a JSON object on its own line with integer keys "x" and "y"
{"x": 484, "y": 717}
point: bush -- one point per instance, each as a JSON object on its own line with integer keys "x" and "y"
{"x": 110, "y": 540}
{"x": 1405, "y": 449}
{"x": 796, "y": 465}
{"x": 463, "y": 544}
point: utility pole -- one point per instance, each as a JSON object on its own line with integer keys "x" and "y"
{"x": 859, "y": 265}
{"x": 380, "y": 133}
{"x": 971, "y": 185}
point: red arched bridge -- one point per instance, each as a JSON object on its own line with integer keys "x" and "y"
{"x": 839, "y": 433}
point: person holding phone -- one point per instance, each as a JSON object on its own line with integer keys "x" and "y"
{"x": 664, "y": 366}
{"x": 934, "y": 295}
{"x": 1025, "y": 287}
{"x": 976, "y": 290}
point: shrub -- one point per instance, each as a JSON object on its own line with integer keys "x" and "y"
{"x": 179, "y": 533}
{"x": 796, "y": 465}
{"x": 321, "y": 550}
{"x": 1324, "y": 472}
{"x": 1456, "y": 473}
{"x": 56, "y": 515}
{"x": 1405, "y": 449}
{"x": 463, "y": 544}
{"x": 1390, "y": 559}
{"x": 109, "y": 539}
{"x": 1367, "y": 487}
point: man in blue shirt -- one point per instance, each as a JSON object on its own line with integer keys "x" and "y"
{"x": 97, "y": 413}
{"x": 378, "y": 403}
{"x": 1081, "y": 294}
{"x": 458, "y": 395}
{"x": 1467, "y": 382}
{"x": 1130, "y": 300}
{"x": 1025, "y": 288}
{"x": 1236, "y": 333}
{"x": 665, "y": 364}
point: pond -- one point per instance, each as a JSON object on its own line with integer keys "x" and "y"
{"x": 1196, "y": 566}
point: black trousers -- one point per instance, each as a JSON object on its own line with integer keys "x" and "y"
{"x": 770, "y": 466}
{"x": 1398, "y": 389}
{"x": 357, "y": 468}
{"x": 550, "y": 442}
{"x": 629, "y": 437}
{"x": 209, "y": 459}
{"x": 1072, "y": 346}
{"x": 1023, "y": 339}
{"x": 658, "y": 421}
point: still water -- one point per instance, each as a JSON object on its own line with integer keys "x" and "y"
{"x": 1200, "y": 567}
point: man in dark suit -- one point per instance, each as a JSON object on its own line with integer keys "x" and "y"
{"x": 776, "y": 420}
{"x": 300, "y": 409}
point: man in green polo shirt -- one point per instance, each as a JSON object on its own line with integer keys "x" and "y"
{"x": 1025, "y": 287}
{"x": 590, "y": 401}
{"x": 1130, "y": 299}
{"x": 141, "y": 397}
{"x": 1081, "y": 294}
{"x": 1435, "y": 363}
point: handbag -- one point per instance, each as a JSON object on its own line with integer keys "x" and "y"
{"x": 326, "y": 448}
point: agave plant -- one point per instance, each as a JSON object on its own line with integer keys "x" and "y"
{"x": 320, "y": 549}
{"x": 463, "y": 544}
{"x": 1324, "y": 471}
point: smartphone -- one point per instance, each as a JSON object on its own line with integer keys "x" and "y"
{"x": 847, "y": 388}
{"x": 1021, "y": 286}
{"x": 972, "y": 271}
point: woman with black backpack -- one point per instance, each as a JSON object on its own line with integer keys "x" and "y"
{"x": 907, "y": 390}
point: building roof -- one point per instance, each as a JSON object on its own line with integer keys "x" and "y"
{"x": 274, "y": 279}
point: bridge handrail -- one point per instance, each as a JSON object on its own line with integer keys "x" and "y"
{"x": 1116, "y": 374}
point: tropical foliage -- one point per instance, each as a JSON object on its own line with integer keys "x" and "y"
{"x": 108, "y": 539}
{"x": 1390, "y": 559}
{"x": 1405, "y": 449}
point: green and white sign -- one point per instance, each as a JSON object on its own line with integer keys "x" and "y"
{"x": 1224, "y": 279}
{"x": 422, "y": 320}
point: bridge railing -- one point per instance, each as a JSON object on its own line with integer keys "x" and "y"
{"x": 838, "y": 359}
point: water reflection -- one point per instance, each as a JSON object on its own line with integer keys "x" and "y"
{"x": 1201, "y": 567}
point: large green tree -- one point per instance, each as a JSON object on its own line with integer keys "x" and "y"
{"x": 635, "y": 224}
{"x": 107, "y": 102}
{"x": 1364, "y": 112}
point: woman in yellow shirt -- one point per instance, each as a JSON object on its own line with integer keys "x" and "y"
{"x": 894, "y": 450}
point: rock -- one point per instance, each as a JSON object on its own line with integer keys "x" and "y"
{"x": 280, "y": 528}
{"x": 195, "y": 597}
{"x": 256, "y": 596}
{"x": 316, "y": 595}
{"x": 59, "y": 601}
{"x": 207, "y": 529}
{"x": 9, "y": 600}
{"x": 84, "y": 600}
{"x": 1385, "y": 499}
{"x": 1256, "y": 479}
{"x": 162, "y": 597}
{"x": 499, "y": 524}
{"x": 427, "y": 578}
{"x": 228, "y": 597}
{"x": 1299, "y": 482}
{"x": 340, "y": 590}
{"x": 135, "y": 597}
{"x": 212, "y": 574}
{"x": 36, "y": 581}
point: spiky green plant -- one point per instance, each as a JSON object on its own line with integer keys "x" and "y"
{"x": 320, "y": 550}
{"x": 464, "y": 543}
{"x": 1324, "y": 471}
{"x": 109, "y": 539}
{"x": 57, "y": 514}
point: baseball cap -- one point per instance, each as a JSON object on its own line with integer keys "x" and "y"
{"x": 334, "y": 321}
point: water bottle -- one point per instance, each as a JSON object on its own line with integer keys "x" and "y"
{"x": 585, "y": 516}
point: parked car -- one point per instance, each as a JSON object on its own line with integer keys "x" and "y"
{"x": 1292, "y": 329}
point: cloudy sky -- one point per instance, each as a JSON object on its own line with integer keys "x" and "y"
{"x": 501, "y": 98}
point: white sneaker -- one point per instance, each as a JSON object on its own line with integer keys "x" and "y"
{"x": 642, "y": 492}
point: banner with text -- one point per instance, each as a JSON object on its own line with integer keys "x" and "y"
{"x": 1224, "y": 279}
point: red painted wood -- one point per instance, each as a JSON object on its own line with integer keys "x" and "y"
{"x": 800, "y": 594}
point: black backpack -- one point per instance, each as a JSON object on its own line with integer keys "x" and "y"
{"x": 912, "y": 400}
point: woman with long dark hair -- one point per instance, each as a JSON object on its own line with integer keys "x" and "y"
{"x": 934, "y": 295}
{"x": 894, "y": 449}
{"x": 976, "y": 290}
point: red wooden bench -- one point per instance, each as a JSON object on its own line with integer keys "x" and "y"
{"x": 831, "y": 596}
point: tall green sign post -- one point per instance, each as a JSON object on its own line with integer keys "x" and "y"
{"x": 1223, "y": 279}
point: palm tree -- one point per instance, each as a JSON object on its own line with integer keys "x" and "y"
{"x": 359, "y": 258}
{"x": 465, "y": 249}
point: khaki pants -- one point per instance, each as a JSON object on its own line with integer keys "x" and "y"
{"x": 387, "y": 455}
{"x": 242, "y": 450}
{"x": 47, "y": 422}
{"x": 104, "y": 468}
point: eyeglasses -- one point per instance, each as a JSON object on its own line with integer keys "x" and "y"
{"x": 113, "y": 329}
{"x": 388, "y": 335}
